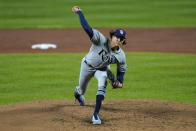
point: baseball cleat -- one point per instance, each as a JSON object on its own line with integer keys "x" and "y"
{"x": 96, "y": 120}
{"x": 79, "y": 98}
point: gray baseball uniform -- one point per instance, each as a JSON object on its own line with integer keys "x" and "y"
{"x": 97, "y": 61}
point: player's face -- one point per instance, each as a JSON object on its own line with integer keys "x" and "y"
{"x": 116, "y": 41}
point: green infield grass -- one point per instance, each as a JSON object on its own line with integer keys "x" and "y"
{"x": 100, "y": 13}
{"x": 27, "y": 77}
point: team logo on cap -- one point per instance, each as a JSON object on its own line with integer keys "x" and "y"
{"x": 121, "y": 32}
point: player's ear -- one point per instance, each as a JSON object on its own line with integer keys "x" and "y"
{"x": 124, "y": 42}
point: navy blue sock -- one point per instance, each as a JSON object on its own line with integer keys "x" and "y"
{"x": 99, "y": 99}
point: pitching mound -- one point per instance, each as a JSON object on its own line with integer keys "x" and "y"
{"x": 115, "y": 115}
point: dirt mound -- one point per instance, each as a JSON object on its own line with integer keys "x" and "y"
{"x": 115, "y": 115}
{"x": 178, "y": 40}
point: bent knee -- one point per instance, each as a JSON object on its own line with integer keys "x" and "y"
{"x": 101, "y": 91}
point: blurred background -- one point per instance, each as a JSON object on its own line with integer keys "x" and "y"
{"x": 110, "y": 13}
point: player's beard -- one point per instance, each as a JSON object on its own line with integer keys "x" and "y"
{"x": 114, "y": 46}
{"x": 115, "y": 43}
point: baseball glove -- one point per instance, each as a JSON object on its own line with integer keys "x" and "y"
{"x": 115, "y": 83}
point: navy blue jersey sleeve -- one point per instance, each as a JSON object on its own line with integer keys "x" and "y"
{"x": 120, "y": 77}
{"x": 85, "y": 24}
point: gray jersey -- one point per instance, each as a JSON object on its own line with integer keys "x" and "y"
{"x": 101, "y": 55}
{"x": 120, "y": 60}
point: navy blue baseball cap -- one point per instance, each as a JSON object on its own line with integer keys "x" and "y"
{"x": 120, "y": 33}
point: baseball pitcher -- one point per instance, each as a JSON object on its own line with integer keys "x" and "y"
{"x": 102, "y": 53}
